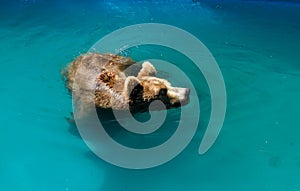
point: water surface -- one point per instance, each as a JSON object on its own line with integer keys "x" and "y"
{"x": 256, "y": 44}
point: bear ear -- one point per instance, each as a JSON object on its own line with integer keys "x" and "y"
{"x": 130, "y": 83}
{"x": 147, "y": 70}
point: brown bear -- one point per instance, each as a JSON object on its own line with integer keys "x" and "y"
{"x": 113, "y": 81}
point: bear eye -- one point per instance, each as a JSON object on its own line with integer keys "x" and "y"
{"x": 163, "y": 91}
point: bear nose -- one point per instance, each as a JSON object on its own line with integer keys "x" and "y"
{"x": 187, "y": 92}
{"x": 183, "y": 93}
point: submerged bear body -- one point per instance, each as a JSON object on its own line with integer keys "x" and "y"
{"x": 113, "y": 81}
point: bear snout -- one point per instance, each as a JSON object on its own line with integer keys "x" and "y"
{"x": 179, "y": 96}
{"x": 183, "y": 95}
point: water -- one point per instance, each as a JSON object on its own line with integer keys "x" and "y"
{"x": 256, "y": 44}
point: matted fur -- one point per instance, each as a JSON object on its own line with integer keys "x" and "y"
{"x": 103, "y": 80}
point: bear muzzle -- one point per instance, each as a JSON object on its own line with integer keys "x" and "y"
{"x": 180, "y": 96}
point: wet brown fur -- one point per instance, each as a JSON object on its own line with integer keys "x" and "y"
{"x": 103, "y": 83}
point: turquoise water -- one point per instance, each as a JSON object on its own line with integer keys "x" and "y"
{"x": 256, "y": 44}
